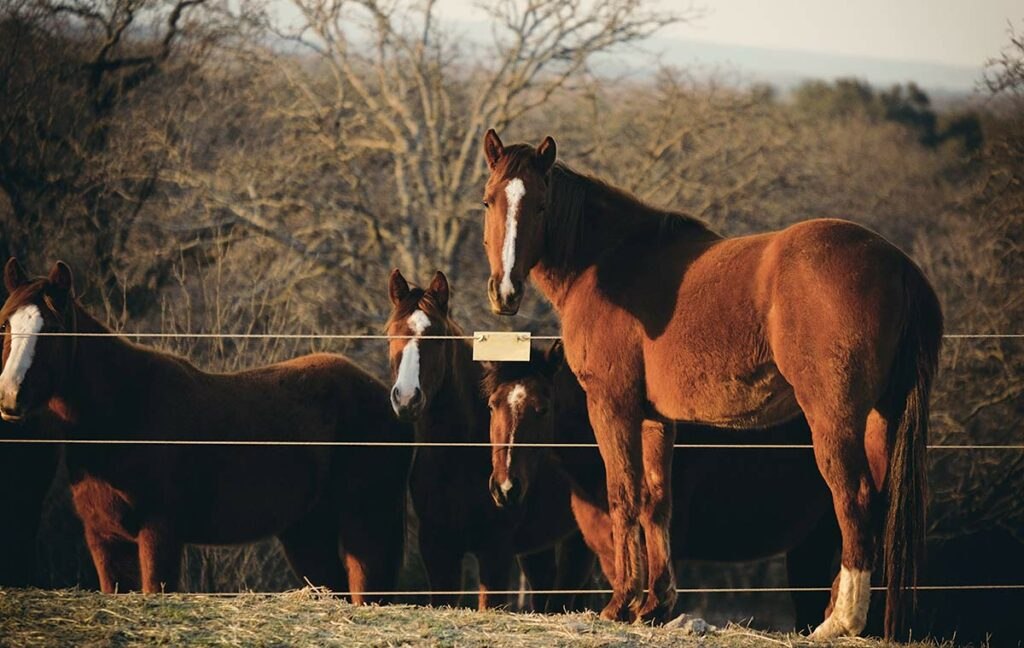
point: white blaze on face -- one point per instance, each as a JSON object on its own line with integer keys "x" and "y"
{"x": 850, "y": 612}
{"x": 408, "y": 380}
{"x": 26, "y": 322}
{"x": 514, "y": 192}
{"x": 516, "y": 398}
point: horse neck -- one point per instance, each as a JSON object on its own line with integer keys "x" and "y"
{"x": 607, "y": 219}
{"x": 457, "y": 412}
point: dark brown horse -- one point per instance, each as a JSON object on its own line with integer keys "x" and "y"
{"x": 26, "y": 472}
{"x": 663, "y": 318}
{"x": 730, "y": 504}
{"x": 437, "y": 386}
{"x": 338, "y": 511}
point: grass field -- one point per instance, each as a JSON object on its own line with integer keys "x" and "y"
{"x": 306, "y": 618}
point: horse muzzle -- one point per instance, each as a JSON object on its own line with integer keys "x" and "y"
{"x": 506, "y": 494}
{"x": 12, "y": 414}
{"x": 10, "y": 409}
{"x": 504, "y": 304}
{"x": 407, "y": 410}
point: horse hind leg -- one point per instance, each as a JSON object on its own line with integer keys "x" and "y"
{"x": 311, "y": 546}
{"x": 843, "y": 459}
{"x": 159, "y": 558}
{"x": 116, "y": 561}
{"x": 810, "y": 564}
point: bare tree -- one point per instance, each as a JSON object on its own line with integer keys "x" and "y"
{"x": 385, "y": 86}
{"x": 68, "y": 70}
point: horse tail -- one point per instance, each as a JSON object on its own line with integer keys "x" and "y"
{"x": 908, "y": 392}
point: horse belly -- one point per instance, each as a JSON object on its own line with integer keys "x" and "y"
{"x": 683, "y": 389}
{"x": 254, "y": 494}
{"x": 747, "y": 504}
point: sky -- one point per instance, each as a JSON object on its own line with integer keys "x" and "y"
{"x": 952, "y": 32}
{"x": 941, "y": 44}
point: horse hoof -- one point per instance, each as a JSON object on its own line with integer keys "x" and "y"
{"x": 656, "y": 610}
{"x": 619, "y": 609}
{"x": 830, "y": 629}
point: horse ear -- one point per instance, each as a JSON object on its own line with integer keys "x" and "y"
{"x": 398, "y": 287}
{"x": 14, "y": 275}
{"x": 546, "y": 154}
{"x": 439, "y": 286}
{"x": 493, "y": 148}
{"x": 61, "y": 277}
{"x": 554, "y": 358}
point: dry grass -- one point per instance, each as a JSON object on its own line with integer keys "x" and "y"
{"x": 306, "y": 618}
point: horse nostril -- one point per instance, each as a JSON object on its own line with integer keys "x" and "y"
{"x": 394, "y": 394}
{"x": 417, "y": 396}
{"x": 11, "y": 412}
{"x": 497, "y": 494}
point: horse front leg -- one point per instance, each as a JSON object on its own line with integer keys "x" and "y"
{"x": 540, "y": 569}
{"x": 575, "y": 570}
{"x": 495, "y": 567}
{"x": 655, "y": 518}
{"x": 617, "y": 427}
{"x": 442, "y": 558}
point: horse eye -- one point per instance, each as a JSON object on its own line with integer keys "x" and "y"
{"x": 486, "y": 204}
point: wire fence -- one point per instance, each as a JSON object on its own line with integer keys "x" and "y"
{"x": 416, "y": 444}
{"x": 472, "y": 444}
{"x": 450, "y": 444}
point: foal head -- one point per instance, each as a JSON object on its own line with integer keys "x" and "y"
{"x": 418, "y": 366}
{"x": 514, "y": 199}
{"x": 33, "y": 365}
{"x": 520, "y": 397}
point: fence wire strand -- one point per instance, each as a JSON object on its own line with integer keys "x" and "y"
{"x": 583, "y": 592}
{"x": 451, "y": 444}
{"x": 367, "y": 336}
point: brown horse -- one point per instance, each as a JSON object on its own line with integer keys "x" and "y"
{"x": 140, "y": 503}
{"x": 730, "y": 504}
{"x": 663, "y": 318}
{"x": 26, "y": 472}
{"x": 437, "y": 386}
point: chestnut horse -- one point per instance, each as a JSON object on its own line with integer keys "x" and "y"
{"x": 663, "y": 318}
{"x": 26, "y": 472}
{"x": 437, "y": 386}
{"x": 338, "y": 511}
{"x": 730, "y": 504}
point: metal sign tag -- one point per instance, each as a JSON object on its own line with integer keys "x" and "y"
{"x": 501, "y": 346}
